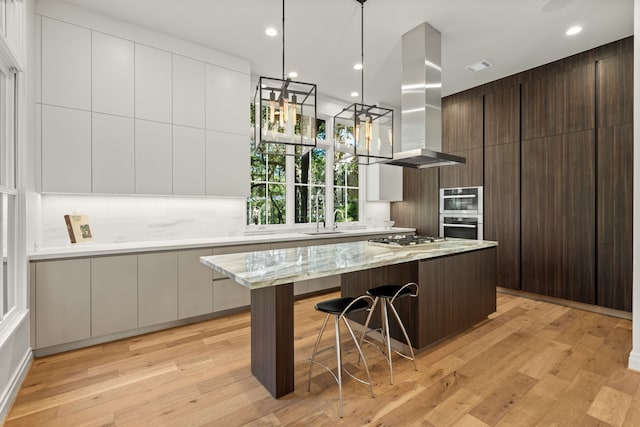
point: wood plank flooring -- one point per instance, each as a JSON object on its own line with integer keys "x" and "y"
{"x": 532, "y": 363}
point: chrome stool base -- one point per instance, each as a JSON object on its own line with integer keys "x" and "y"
{"x": 340, "y": 308}
{"x": 386, "y": 295}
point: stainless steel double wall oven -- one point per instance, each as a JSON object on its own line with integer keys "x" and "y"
{"x": 461, "y": 211}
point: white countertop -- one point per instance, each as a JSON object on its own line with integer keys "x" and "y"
{"x": 94, "y": 249}
{"x": 277, "y": 266}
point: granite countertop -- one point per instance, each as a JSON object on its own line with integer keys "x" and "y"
{"x": 277, "y": 266}
{"x": 250, "y": 237}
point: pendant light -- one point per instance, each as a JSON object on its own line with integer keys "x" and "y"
{"x": 286, "y": 111}
{"x": 361, "y": 130}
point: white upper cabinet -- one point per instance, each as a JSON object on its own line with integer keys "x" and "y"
{"x": 228, "y": 165}
{"x": 153, "y": 84}
{"x": 111, "y": 75}
{"x": 228, "y": 100}
{"x": 188, "y": 92}
{"x": 188, "y": 161}
{"x": 153, "y": 164}
{"x": 66, "y": 65}
{"x": 384, "y": 183}
{"x": 66, "y": 150}
{"x": 112, "y": 154}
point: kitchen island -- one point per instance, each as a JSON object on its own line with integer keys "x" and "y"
{"x": 456, "y": 279}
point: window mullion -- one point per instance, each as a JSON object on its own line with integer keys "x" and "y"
{"x": 290, "y": 176}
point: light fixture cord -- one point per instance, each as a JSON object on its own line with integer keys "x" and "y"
{"x": 362, "y": 51}
{"x": 283, "y": 40}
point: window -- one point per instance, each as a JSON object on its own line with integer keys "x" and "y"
{"x": 307, "y": 179}
{"x": 268, "y": 202}
{"x": 8, "y": 193}
{"x": 345, "y": 187}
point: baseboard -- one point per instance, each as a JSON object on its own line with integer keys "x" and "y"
{"x": 634, "y": 360}
{"x": 14, "y": 386}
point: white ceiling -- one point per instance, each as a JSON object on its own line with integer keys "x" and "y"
{"x": 323, "y": 36}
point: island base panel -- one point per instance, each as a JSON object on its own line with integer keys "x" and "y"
{"x": 272, "y": 338}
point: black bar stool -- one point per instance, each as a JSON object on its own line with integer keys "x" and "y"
{"x": 340, "y": 308}
{"x": 388, "y": 294}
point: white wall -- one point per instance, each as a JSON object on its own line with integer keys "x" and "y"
{"x": 634, "y": 357}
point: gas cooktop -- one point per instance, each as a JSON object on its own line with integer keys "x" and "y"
{"x": 402, "y": 240}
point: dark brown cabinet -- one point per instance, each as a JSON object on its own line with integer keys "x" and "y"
{"x": 502, "y": 209}
{"x": 558, "y": 216}
{"x": 615, "y": 90}
{"x": 462, "y": 135}
{"x": 559, "y": 102}
{"x": 502, "y": 181}
{"x": 419, "y": 206}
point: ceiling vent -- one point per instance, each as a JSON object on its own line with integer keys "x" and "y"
{"x": 478, "y": 66}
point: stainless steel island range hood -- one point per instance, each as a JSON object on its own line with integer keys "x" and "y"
{"x": 421, "y": 141}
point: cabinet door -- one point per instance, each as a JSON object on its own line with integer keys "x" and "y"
{"x": 502, "y": 209}
{"x": 63, "y": 302}
{"x": 66, "y": 150}
{"x": 195, "y": 288}
{"x": 153, "y": 84}
{"x": 614, "y": 208}
{"x": 578, "y": 217}
{"x": 384, "y": 183}
{"x": 188, "y": 92}
{"x": 111, "y": 75}
{"x": 114, "y": 294}
{"x": 157, "y": 288}
{"x": 188, "y": 161}
{"x": 462, "y": 122}
{"x": 112, "y": 154}
{"x": 502, "y": 116}
{"x": 66, "y": 64}
{"x": 227, "y": 164}
{"x": 468, "y": 175}
{"x": 615, "y": 90}
{"x": 228, "y": 294}
{"x": 153, "y": 158}
{"x": 541, "y": 227}
{"x": 542, "y": 107}
{"x": 578, "y": 102}
{"x": 227, "y": 100}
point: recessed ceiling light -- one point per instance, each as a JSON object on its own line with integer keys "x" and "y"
{"x": 271, "y": 32}
{"x": 357, "y": 66}
{"x": 354, "y": 94}
{"x": 574, "y": 30}
{"x": 293, "y": 74}
{"x": 481, "y": 65}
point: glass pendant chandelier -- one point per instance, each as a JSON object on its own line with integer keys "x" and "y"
{"x": 286, "y": 111}
{"x": 361, "y": 130}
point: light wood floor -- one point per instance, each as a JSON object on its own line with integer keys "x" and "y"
{"x": 531, "y": 363}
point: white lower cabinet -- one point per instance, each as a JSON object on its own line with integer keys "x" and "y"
{"x": 228, "y": 294}
{"x": 157, "y": 288}
{"x": 114, "y": 294}
{"x": 63, "y": 300}
{"x": 195, "y": 290}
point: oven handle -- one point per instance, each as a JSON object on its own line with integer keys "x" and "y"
{"x": 460, "y": 225}
{"x": 461, "y": 196}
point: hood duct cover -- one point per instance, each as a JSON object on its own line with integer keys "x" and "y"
{"x": 421, "y": 144}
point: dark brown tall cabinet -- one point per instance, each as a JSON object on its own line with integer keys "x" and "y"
{"x": 502, "y": 181}
{"x": 615, "y": 180}
{"x": 558, "y": 183}
{"x": 462, "y": 116}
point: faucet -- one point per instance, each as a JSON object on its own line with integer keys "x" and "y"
{"x": 320, "y": 198}
{"x": 335, "y": 218}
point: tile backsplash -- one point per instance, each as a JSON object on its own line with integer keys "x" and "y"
{"x": 118, "y": 219}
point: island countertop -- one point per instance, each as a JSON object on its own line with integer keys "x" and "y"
{"x": 278, "y": 266}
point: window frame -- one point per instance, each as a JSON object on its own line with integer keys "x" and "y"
{"x": 327, "y": 145}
